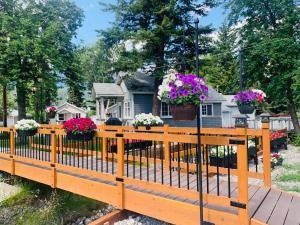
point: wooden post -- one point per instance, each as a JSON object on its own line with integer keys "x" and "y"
{"x": 242, "y": 167}
{"x": 12, "y": 151}
{"x": 120, "y": 172}
{"x": 167, "y": 152}
{"x": 266, "y": 150}
{"x": 53, "y": 158}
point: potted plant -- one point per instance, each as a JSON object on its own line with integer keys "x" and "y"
{"x": 26, "y": 127}
{"x": 223, "y": 159}
{"x": 278, "y": 140}
{"x": 147, "y": 120}
{"x": 81, "y": 129}
{"x": 184, "y": 93}
{"x": 276, "y": 160}
{"x": 51, "y": 112}
{"x": 248, "y": 100}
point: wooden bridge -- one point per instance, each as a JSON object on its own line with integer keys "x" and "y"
{"x": 155, "y": 172}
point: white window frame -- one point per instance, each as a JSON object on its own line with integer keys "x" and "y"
{"x": 127, "y": 110}
{"x": 59, "y": 118}
{"x": 161, "y": 111}
{"x": 212, "y": 110}
{"x": 77, "y": 115}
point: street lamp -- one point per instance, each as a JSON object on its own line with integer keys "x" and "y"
{"x": 199, "y": 158}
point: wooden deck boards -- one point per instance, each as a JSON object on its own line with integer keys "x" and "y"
{"x": 265, "y": 205}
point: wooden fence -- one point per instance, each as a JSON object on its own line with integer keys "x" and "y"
{"x": 127, "y": 167}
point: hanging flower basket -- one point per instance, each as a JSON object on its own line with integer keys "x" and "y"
{"x": 247, "y": 101}
{"x": 185, "y": 112}
{"x": 51, "y": 111}
{"x": 80, "y": 129}
{"x": 51, "y": 115}
{"x": 184, "y": 93}
{"x": 26, "y": 133}
{"x": 246, "y": 108}
{"x": 81, "y": 137}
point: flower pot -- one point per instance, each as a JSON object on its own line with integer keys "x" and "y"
{"x": 216, "y": 161}
{"x": 246, "y": 108}
{"x": 51, "y": 115}
{"x": 81, "y": 137}
{"x": 26, "y": 133}
{"x": 231, "y": 162}
{"x": 185, "y": 112}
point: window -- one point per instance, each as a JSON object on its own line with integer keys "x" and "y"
{"x": 127, "y": 110}
{"x": 165, "y": 110}
{"x": 77, "y": 115}
{"x": 207, "y": 110}
{"x": 61, "y": 117}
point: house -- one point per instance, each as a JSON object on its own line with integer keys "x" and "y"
{"x": 129, "y": 97}
{"x": 67, "y": 111}
{"x": 13, "y": 117}
{"x": 230, "y": 110}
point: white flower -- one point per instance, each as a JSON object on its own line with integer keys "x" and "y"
{"x": 178, "y": 83}
{"x": 147, "y": 119}
{"x": 27, "y": 125}
{"x": 260, "y": 92}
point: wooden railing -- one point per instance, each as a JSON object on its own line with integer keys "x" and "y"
{"x": 161, "y": 161}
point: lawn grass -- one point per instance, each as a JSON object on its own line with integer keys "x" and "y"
{"x": 289, "y": 180}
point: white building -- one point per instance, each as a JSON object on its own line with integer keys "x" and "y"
{"x": 68, "y": 111}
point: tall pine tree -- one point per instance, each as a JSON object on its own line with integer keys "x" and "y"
{"x": 159, "y": 26}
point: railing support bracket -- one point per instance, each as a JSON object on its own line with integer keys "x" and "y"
{"x": 238, "y": 205}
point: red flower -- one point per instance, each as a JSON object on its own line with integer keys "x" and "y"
{"x": 79, "y": 125}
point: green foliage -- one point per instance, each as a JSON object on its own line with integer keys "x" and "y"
{"x": 38, "y": 204}
{"x": 36, "y": 46}
{"x": 297, "y": 140}
{"x": 269, "y": 33}
{"x": 221, "y": 66}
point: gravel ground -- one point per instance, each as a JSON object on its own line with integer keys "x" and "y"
{"x": 97, "y": 214}
{"x": 7, "y": 191}
{"x": 291, "y": 157}
{"x": 135, "y": 219}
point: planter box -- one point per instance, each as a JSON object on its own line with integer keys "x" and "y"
{"x": 81, "y": 137}
{"x": 223, "y": 161}
{"x": 26, "y": 133}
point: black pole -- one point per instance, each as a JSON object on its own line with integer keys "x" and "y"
{"x": 242, "y": 72}
{"x": 199, "y": 158}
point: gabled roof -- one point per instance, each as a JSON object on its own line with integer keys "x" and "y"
{"x": 140, "y": 82}
{"x": 214, "y": 96}
{"x": 107, "y": 89}
{"x": 70, "y": 108}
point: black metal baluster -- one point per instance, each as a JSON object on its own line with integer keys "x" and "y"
{"x": 140, "y": 150}
{"x": 178, "y": 163}
{"x": 207, "y": 164}
{"x": 218, "y": 174}
{"x": 228, "y": 170}
{"x": 154, "y": 161}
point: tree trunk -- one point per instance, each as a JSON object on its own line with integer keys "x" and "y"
{"x": 21, "y": 101}
{"x": 156, "y": 102}
{"x": 4, "y": 96}
{"x": 292, "y": 107}
{"x": 293, "y": 113}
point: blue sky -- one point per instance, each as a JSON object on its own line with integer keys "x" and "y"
{"x": 96, "y": 19}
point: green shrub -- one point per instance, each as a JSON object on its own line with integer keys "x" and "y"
{"x": 297, "y": 140}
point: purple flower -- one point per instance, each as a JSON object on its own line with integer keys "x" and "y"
{"x": 185, "y": 92}
{"x": 202, "y": 98}
{"x": 173, "y": 96}
{"x": 195, "y": 90}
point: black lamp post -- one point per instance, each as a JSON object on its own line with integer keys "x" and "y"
{"x": 199, "y": 158}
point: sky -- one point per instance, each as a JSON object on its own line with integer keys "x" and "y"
{"x": 96, "y": 19}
